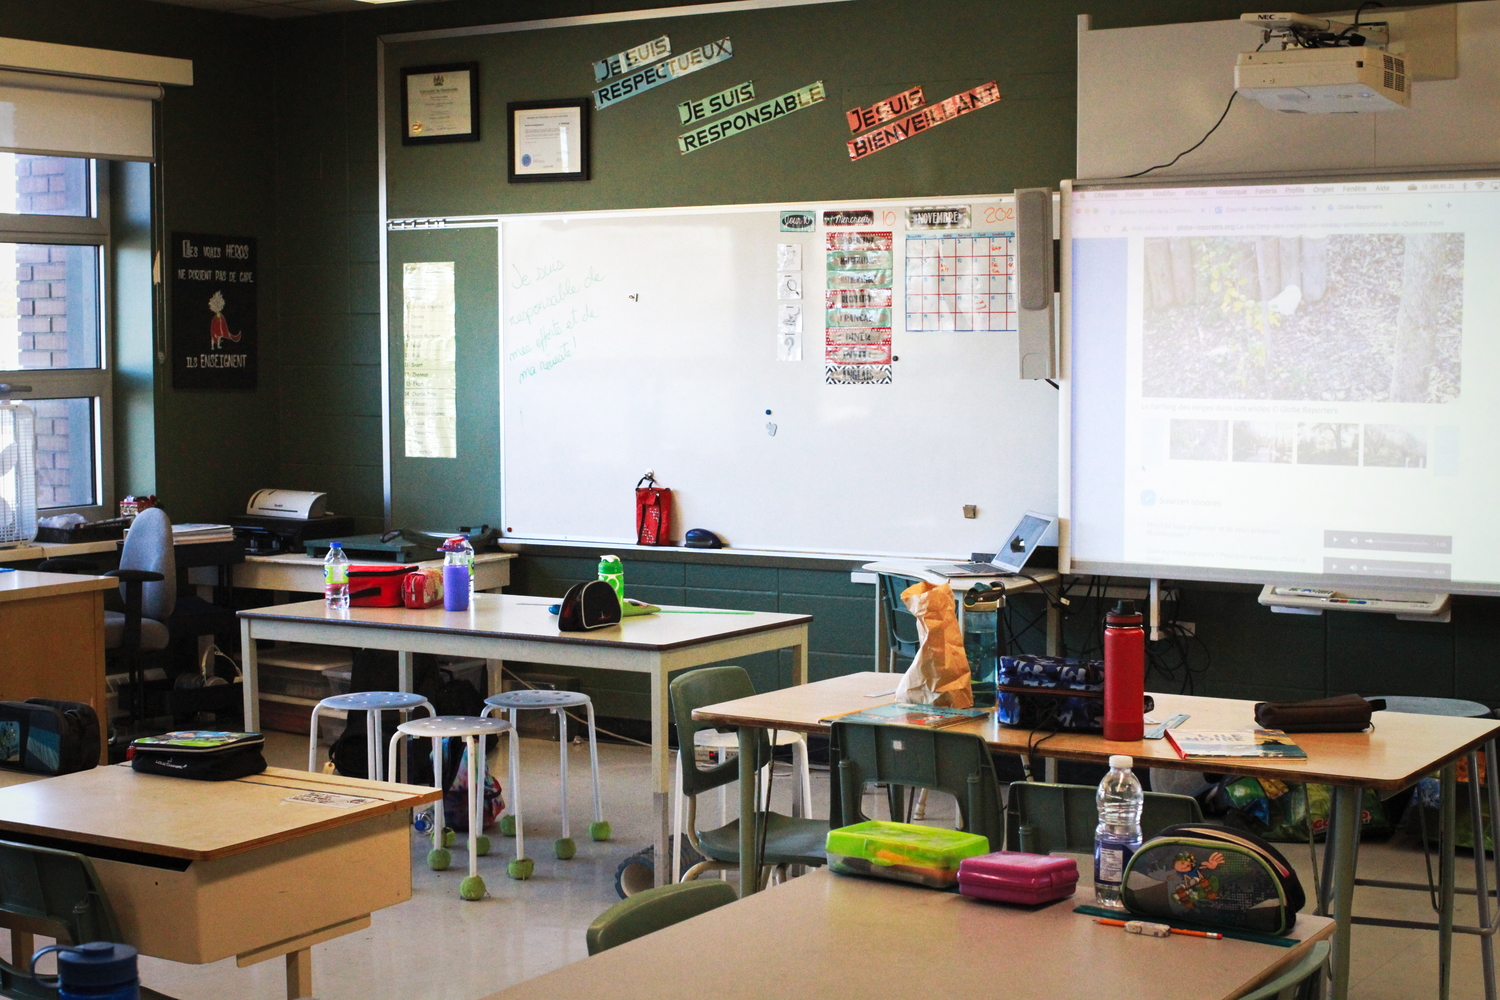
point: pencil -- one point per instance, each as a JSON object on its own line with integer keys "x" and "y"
{"x": 1171, "y": 930}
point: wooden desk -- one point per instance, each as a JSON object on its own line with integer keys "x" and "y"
{"x": 52, "y": 638}
{"x": 296, "y": 573}
{"x": 1401, "y": 749}
{"x": 520, "y": 628}
{"x": 216, "y": 869}
{"x": 831, "y": 936}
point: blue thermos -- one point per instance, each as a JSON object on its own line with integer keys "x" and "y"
{"x": 94, "y": 971}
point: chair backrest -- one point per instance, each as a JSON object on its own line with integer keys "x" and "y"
{"x": 900, "y": 624}
{"x": 693, "y": 690}
{"x": 148, "y": 546}
{"x": 53, "y": 893}
{"x": 653, "y": 909}
{"x": 956, "y": 763}
{"x": 1041, "y": 818}
{"x": 1284, "y": 987}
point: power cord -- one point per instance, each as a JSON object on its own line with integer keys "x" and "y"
{"x": 1195, "y": 145}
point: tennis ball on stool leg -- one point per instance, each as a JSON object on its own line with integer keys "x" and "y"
{"x": 448, "y": 836}
{"x": 508, "y": 825}
{"x": 481, "y": 845}
{"x": 520, "y": 868}
{"x": 565, "y": 848}
{"x": 438, "y": 859}
{"x": 600, "y": 830}
{"x": 471, "y": 888}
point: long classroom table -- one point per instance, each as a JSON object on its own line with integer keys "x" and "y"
{"x": 512, "y": 627}
{"x": 1394, "y": 755}
{"x": 834, "y": 936}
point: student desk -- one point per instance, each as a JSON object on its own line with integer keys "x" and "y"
{"x": 826, "y": 935}
{"x": 197, "y": 871}
{"x": 296, "y": 573}
{"x": 52, "y": 637}
{"x": 520, "y": 628}
{"x": 1401, "y": 749}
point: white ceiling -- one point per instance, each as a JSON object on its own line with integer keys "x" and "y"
{"x": 280, "y": 8}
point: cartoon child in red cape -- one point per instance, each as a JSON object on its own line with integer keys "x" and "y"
{"x": 218, "y": 327}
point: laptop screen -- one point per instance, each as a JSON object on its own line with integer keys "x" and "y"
{"x": 1016, "y": 551}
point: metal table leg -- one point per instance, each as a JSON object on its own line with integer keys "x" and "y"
{"x": 1481, "y": 873}
{"x": 1447, "y": 828}
{"x": 1345, "y": 837}
{"x": 750, "y": 816}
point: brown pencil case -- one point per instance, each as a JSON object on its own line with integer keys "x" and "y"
{"x": 1346, "y": 713}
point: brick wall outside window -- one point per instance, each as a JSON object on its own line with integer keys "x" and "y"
{"x": 42, "y": 294}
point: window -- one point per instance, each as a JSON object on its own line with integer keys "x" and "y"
{"x": 53, "y": 236}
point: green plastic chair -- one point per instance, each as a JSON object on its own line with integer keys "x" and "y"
{"x": 788, "y": 840}
{"x": 56, "y": 894}
{"x": 1289, "y": 986}
{"x": 1041, "y": 818}
{"x": 901, "y": 632}
{"x": 956, "y": 763}
{"x": 653, "y": 909}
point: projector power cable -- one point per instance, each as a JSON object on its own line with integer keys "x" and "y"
{"x": 1194, "y": 146}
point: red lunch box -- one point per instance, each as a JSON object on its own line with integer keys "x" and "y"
{"x": 1013, "y": 877}
{"x": 376, "y": 586}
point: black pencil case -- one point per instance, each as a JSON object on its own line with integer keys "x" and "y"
{"x": 200, "y": 755}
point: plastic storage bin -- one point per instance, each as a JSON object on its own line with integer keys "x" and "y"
{"x": 1013, "y": 877}
{"x": 923, "y": 855}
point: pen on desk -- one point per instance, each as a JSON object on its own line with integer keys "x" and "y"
{"x": 1155, "y": 930}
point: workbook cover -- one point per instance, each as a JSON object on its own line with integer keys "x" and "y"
{"x": 921, "y": 716}
{"x": 1192, "y": 744}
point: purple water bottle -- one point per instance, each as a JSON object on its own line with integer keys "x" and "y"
{"x": 455, "y": 576}
{"x": 94, "y": 971}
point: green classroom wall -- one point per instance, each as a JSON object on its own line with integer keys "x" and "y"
{"x": 203, "y": 453}
{"x": 278, "y": 140}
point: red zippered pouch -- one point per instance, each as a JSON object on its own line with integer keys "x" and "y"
{"x": 376, "y": 586}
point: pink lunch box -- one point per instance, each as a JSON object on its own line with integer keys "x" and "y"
{"x": 1013, "y": 877}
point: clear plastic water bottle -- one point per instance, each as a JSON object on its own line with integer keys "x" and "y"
{"x": 336, "y": 577}
{"x": 1118, "y": 836}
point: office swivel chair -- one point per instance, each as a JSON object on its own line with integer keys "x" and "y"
{"x": 148, "y": 589}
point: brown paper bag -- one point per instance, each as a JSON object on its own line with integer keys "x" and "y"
{"x": 939, "y": 675}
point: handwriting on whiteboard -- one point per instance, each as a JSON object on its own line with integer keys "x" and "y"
{"x": 554, "y": 305}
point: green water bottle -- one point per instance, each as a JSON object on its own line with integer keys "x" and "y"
{"x": 612, "y": 572}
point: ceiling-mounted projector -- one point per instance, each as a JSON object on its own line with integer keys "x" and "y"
{"x": 1322, "y": 67}
{"x": 1324, "y": 80}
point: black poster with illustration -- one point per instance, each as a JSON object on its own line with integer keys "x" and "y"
{"x": 213, "y": 311}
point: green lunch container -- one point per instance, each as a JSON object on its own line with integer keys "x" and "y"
{"x": 905, "y": 852}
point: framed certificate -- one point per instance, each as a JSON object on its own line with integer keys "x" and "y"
{"x": 548, "y": 141}
{"x": 440, "y": 104}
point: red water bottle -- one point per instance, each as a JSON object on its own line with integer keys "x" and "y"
{"x": 1124, "y": 674}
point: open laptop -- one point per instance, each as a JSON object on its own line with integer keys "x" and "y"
{"x": 1012, "y": 555}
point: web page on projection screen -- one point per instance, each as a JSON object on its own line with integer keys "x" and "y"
{"x": 1288, "y": 379}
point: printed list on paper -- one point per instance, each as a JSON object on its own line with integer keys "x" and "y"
{"x": 430, "y": 389}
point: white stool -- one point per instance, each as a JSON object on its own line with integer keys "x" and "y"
{"x": 715, "y": 740}
{"x": 556, "y": 702}
{"x": 372, "y": 703}
{"x": 438, "y": 729}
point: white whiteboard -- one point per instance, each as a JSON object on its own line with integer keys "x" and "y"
{"x": 647, "y": 340}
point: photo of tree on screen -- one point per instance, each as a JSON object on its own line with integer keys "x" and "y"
{"x": 1360, "y": 317}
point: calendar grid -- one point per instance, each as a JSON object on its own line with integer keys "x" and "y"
{"x": 960, "y": 282}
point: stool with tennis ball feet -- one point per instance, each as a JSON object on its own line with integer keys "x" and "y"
{"x": 468, "y": 728}
{"x": 558, "y": 703}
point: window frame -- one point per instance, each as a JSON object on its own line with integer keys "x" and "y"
{"x": 73, "y": 383}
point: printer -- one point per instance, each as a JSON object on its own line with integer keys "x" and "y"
{"x": 277, "y": 521}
